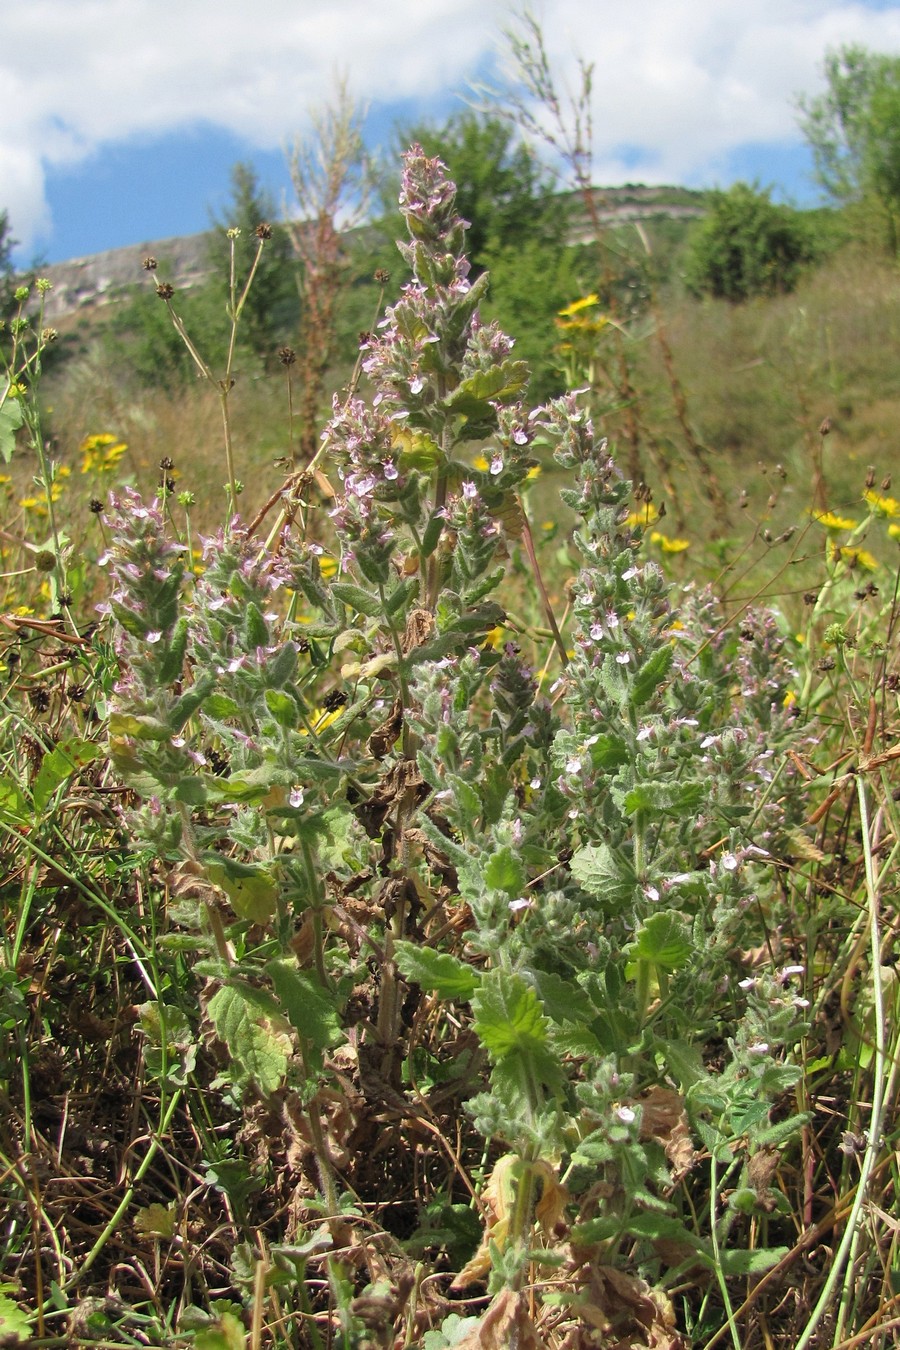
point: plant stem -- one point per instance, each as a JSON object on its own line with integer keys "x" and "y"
{"x": 873, "y": 1143}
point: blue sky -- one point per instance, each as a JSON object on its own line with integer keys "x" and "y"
{"x": 121, "y": 119}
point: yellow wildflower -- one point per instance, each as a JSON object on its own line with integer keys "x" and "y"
{"x": 645, "y": 516}
{"x": 22, "y": 611}
{"x": 894, "y": 531}
{"x": 885, "y": 506}
{"x": 328, "y": 566}
{"x": 833, "y": 522}
{"x": 101, "y": 453}
{"x": 578, "y": 305}
{"x": 479, "y": 462}
{"x": 859, "y": 557}
{"x": 668, "y": 544}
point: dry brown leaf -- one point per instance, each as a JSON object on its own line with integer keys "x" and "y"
{"x": 498, "y": 1198}
{"x": 641, "y": 1317}
{"x": 664, "y": 1119}
{"x": 505, "y": 1326}
{"x": 550, "y": 1209}
{"x": 419, "y": 628}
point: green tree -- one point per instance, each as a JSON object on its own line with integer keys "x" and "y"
{"x": 7, "y": 270}
{"x": 853, "y": 130}
{"x": 270, "y": 314}
{"x": 747, "y": 245}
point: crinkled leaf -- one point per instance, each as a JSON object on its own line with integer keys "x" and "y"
{"x": 250, "y": 887}
{"x": 220, "y": 707}
{"x": 14, "y": 1325}
{"x": 665, "y": 799}
{"x": 651, "y": 675}
{"x": 10, "y": 421}
{"x": 504, "y": 872}
{"x": 500, "y": 383}
{"x": 438, "y": 972}
{"x": 156, "y": 1220}
{"x": 563, "y": 1001}
{"x": 309, "y": 1007}
{"x": 258, "y": 1051}
{"x": 227, "y": 1334}
{"x": 598, "y": 871}
{"x": 511, "y": 1025}
{"x": 282, "y": 707}
{"x": 70, "y": 755}
{"x": 188, "y": 703}
{"x": 257, "y": 630}
{"x": 663, "y": 939}
{"x": 140, "y": 728}
{"x": 11, "y": 798}
{"x": 740, "y": 1261}
{"x": 607, "y": 752}
{"x": 356, "y": 598}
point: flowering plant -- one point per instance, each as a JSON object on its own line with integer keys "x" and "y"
{"x": 433, "y": 886}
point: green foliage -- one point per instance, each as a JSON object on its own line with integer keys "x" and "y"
{"x": 853, "y": 129}
{"x": 145, "y": 344}
{"x": 8, "y": 279}
{"x": 747, "y": 245}
{"x": 142, "y": 335}
{"x": 272, "y": 309}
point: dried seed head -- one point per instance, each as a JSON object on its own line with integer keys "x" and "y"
{"x": 287, "y": 356}
{"x": 886, "y": 483}
{"x": 49, "y": 334}
{"x": 149, "y": 264}
{"x": 166, "y": 463}
{"x": 165, "y": 290}
{"x": 382, "y": 276}
{"x": 826, "y": 426}
{"x": 40, "y": 698}
{"x": 870, "y": 477}
{"x": 263, "y": 230}
{"x": 96, "y": 506}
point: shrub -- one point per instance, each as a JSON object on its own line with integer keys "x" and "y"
{"x": 748, "y": 245}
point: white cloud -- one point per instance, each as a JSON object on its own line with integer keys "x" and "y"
{"x": 686, "y": 79}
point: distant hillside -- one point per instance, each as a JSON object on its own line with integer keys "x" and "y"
{"x": 86, "y": 284}
{"x": 89, "y": 283}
